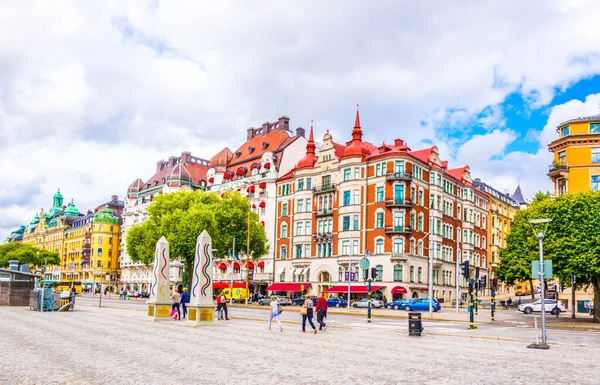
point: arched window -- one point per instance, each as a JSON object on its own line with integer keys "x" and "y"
{"x": 420, "y": 274}
{"x": 398, "y": 245}
{"x": 379, "y": 246}
{"x": 483, "y": 244}
{"x": 379, "y": 269}
{"x": 413, "y": 246}
{"x": 340, "y": 275}
{"x": 412, "y": 273}
{"x": 284, "y": 230}
{"x": 398, "y": 273}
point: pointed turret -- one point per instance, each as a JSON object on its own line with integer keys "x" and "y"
{"x": 355, "y": 147}
{"x": 310, "y": 158}
{"x": 518, "y": 195}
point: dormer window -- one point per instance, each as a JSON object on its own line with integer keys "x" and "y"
{"x": 238, "y": 154}
{"x": 265, "y": 145}
{"x": 164, "y": 180}
{"x": 156, "y": 183}
{"x": 251, "y": 150}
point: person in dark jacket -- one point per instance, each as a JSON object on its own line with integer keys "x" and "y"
{"x": 321, "y": 312}
{"x": 185, "y": 299}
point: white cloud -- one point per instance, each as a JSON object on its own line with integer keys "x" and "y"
{"x": 93, "y": 94}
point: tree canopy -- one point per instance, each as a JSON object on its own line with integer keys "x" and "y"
{"x": 571, "y": 241}
{"x": 26, "y": 254}
{"x": 181, "y": 216}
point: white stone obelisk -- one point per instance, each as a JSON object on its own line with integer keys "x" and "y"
{"x": 201, "y": 308}
{"x": 159, "y": 304}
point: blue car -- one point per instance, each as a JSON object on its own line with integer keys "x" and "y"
{"x": 397, "y": 304}
{"x": 422, "y": 304}
{"x": 336, "y": 302}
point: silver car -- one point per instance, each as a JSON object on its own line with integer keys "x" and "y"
{"x": 365, "y": 303}
{"x": 284, "y": 301}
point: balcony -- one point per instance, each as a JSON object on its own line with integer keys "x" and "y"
{"x": 323, "y": 212}
{"x": 322, "y": 237}
{"x": 558, "y": 170}
{"x": 399, "y": 257}
{"x": 398, "y": 176}
{"x": 397, "y": 202}
{"x": 437, "y": 263}
{"x": 394, "y": 230}
{"x": 326, "y": 188}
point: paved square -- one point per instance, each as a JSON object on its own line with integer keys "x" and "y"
{"x": 118, "y": 346}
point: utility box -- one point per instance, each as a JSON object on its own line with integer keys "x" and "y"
{"x": 415, "y": 326}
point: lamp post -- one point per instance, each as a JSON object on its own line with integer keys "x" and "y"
{"x": 349, "y": 268}
{"x": 248, "y": 261}
{"x": 540, "y": 236}
{"x": 458, "y": 260}
{"x": 430, "y": 269}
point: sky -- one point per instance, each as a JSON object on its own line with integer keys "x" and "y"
{"x": 94, "y": 93}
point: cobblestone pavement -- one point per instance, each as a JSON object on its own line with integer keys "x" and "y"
{"x": 116, "y": 346}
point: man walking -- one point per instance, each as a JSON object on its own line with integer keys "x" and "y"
{"x": 321, "y": 312}
{"x": 224, "y": 306}
{"x": 185, "y": 299}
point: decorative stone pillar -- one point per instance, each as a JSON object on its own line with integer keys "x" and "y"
{"x": 201, "y": 308}
{"x": 159, "y": 304}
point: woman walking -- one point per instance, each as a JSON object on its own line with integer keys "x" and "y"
{"x": 274, "y": 313}
{"x": 176, "y": 298}
{"x": 307, "y": 313}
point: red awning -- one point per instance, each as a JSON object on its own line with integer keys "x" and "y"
{"x": 223, "y": 266}
{"x": 222, "y": 194}
{"x": 262, "y": 223}
{"x": 267, "y": 165}
{"x": 236, "y": 265}
{"x": 255, "y": 165}
{"x": 211, "y": 179}
{"x": 227, "y": 175}
{"x": 224, "y": 285}
{"x": 261, "y": 264}
{"x": 250, "y": 189}
{"x": 262, "y": 204}
{"x": 240, "y": 171}
{"x": 253, "y": 205}
{"x": 250, "y": 265}
{"x": 262, "y": 185}
{"x": 355, "y": 289}
{"x": 399, "y": 290}
{"x": 288, "y": 286}
{"x": 418, "y": 288}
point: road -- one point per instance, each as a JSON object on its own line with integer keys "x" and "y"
{"x": 509, "y": 324}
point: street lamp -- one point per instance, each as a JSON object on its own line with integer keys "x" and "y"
{"x": 540, "y": 237}
{"x": 430, "y": 253}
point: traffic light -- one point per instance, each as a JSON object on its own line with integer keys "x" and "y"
{"x": 495, "y": 283}
{"x": 465, "y": 269}
{"x": 471, "y": 286}
{"x": 477, "y": 272}
{"x": 374, "y": 273}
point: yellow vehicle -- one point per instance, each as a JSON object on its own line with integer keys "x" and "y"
{"x": 523, "y": 288}
{"x": 239, "y": 294}
{"x": 66, "y": 285}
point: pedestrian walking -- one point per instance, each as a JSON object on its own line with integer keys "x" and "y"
{"x": 509, "y": 302}
{"x": 322, "y": 312}
{"x": 219, "y": 307}
{"x": 176, "y": 298}
{"x": 224, "y": 307}
{"x": 121, "y": 295}
{"x": 307, "y": 314}
{"x": 274, "y": 310}
{"x": 185, "y": 299}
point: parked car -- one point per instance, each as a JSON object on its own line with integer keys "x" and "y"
{"x": 365, "y": 303}
{"x": 299, "y": 301}
{"x": 550, "y": 305}
{"x": 336, "y": 302}
{"x": 422, "y": 304}
{"x": 397, "y": 304}
{"x": 279, "y": 298}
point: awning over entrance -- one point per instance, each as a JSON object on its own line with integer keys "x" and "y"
{"x": 399, "y": 290}
{"x": 224, "y": 285}
{"x": 419, "y": 288}
{"x": 282, "y": 286}
{"x": 49, "y": 282}
{"x": 355, "y": 289}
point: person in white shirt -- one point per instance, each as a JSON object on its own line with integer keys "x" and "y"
{"x": 274, "y": 310}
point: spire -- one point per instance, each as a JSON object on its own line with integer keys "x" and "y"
{"x": 310, "y": 158}
{"x": 310, "y": 146}
{"x": 357, "y": 121}
{"x": 518, "y": 195}
{"x": 357, "y": 132}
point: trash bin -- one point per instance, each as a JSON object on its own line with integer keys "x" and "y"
{"x": 415, "y": 326}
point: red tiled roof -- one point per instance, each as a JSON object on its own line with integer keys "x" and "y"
{"x": 136, "y": 186}
{"x": 423, "y": 155}
{"x": 339, "y": 149}
{"x": 275, "y": 141}
{"x": 310, "y": 158}
{"x": 222, "y": 158}
{"x": 457, "y": 173}
{"x": 288, "y": 176}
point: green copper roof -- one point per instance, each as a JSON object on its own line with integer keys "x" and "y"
{"x": 106, "y": 216}
{"x": 35, "y": 220}
{"x": 71, "y": 209}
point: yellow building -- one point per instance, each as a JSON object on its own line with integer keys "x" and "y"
{"x": 576, "y": 165}
{"x": 105, "y": 247}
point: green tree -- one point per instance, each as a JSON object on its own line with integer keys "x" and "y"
{"x": 181, "y": 216}
{"x": 27, "y": 254}
{"x": 571, "y": 241}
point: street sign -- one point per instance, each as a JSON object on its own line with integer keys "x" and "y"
{"x": 535, "y": 269}
{"x": 364, "y": 264}
{"x": 573, "y": 280}
{"x": 349, "y": 276}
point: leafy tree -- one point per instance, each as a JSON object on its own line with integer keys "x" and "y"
{"x": 181, "y": 216}
{"x": 25, "y": 253}
{"x": 572, "y": 240}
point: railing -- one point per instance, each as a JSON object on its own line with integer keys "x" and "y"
{"x": 322, "y": 236}
{"x": 405, "y": 176}
{"x": 397, "y": 202}
{"x": 324, "y": 212}
{"x": 400, "y": 256}
{"x": 557, "y": 167}
{"x": 398, "y": 230}
{"x": 324, "y": 188}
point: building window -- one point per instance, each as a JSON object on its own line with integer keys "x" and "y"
{"x": 378, "y": 220}
{"x": 346, "y": 198}
{"x": 379, "y": 197}
{"x": 356, "y": 173}
{"x": 284, "y": 230}
{"x": 282, "y": 275}
{"x": 379, "y": 269}
{"x": 298, "y": 251}
{"x": 562, "y": 186}
{"x": 420, "y": 198}
{"x": 398, "y": 246}
{"x": 284, "y": 209}
{"x": 413, "y": 244}
{"x": 420, "y": 274}
{"x": 356, "y": 197}
{"x": 594, "y": 128}
{"x": 356, "y": 225}
{"x": 346, "y": 223}
{"x": 300, "y": 184}
{"x": 379, "y": 246}
{"x": 347, "y": 174}
{"x": 595, "y": 182}
{"x": 398, "y": 273}
{"x": 596, "y": 155}
{"x": 345, "y": 247}
{"x": 299, "y": 228}
{"x": 412, "y": 273}
{"x": 355, "y": 246}
{"x": 412, "y": 220}
{"x": 420, "y": 223}
{"x": 300, "y": 206}
{"x": 283, "y": 252}
{"x": 377, "y": 169}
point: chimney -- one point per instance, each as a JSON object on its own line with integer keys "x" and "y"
{"x": 114, "y": 198}
{"x": 159, "y": 165}
{"x": 172, "y": 161}
{"x": 477, "y": 180}
{"x": 13, "y": 265}
{"x": 398, "y": 143}
{"x": 250, "y": 133}
{"x": 300, "y": 132}
{"x": 24, "y": 268}
{"x": 186, "y": 157}
{"x": 283, "y": 122}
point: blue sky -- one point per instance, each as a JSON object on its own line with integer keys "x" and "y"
{"x": 95, "y": 93}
